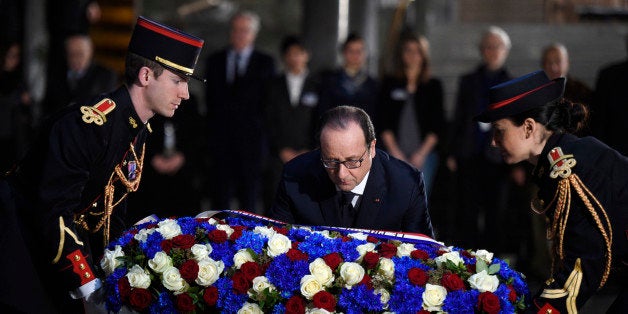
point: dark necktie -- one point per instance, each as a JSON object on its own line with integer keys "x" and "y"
{"x": 236, "y": 68}
{"x": 347, "y": 211}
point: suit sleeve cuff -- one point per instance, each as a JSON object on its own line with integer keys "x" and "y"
{"x": 86, "y": 289}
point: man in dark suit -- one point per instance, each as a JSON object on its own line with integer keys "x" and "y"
{"x": 236, "y": 81}
{"x": 83, "y": 77}
{"x": 350, "y": 183}
{"x": 291, "y": 113}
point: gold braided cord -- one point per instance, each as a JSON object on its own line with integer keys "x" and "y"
{"x": 561, "y": 215}
{"x": 109, "y": 194}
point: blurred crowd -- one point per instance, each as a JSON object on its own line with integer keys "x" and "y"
{"x": 226, "y": 149}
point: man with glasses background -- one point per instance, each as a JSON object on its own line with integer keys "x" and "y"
{"x": 350, "y": 183}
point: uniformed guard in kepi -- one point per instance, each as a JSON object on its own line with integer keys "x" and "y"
{"x": 583, "y": 191}
{"x": 66, "y": 198}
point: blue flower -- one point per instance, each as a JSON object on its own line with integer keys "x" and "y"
{"x": 285, "y": 274}
{"x": 228, "y": 301}
{"x": 163, "y": 305}
{"x": 406, "y": 298}
{"x": 360, "y": 299}
{"x": 251, "y": 241}
{"x": 113, "y": 302}
{"x": 188, "y": 225}
{"x": 223, "y": 252}
{"x": 316, "y": 245}
{"x": 461, "y": 301}
{"x": 152, "y": 244}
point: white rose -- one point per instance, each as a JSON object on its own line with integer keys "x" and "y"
{"x": 261, "y": 283}
{"x": 483, "y": 282}
{"x": 265, "y": 231}
{"x": 433, "y": 297}
{"x": 322, "y": 272}
{"x": 143, "y": 234}
{"x": 209, "y": 271}
{"x": 363, "y": 248}
{"x": 404, "y": 249}
{"x": 278, "y": 244}
{"x": 241, "y": 257}
{"x": 326, "y": 234}
{"x": 358, "y": 236}
{"x": 386, "y": 268}
{"x": 352, "y": 273}
{"x": 160, "y": 262}
{"x": 454, "y": 257}
{"x": 384, "y": 296}
{"x": 138, "y": 277}
{"x": 109, "y": 262}
{"x": 310, "y": 286}
{"x": 225, "y": 228}
{"x": 171, "y": 279}
{"x": 484, "y": 255}
{"x": 250, "y": 308}
{"x": 201, "y": 251}
{"x": 316, "y": 311}
{"x": 169, "y": 228}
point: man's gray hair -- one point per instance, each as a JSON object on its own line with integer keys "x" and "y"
{"x": 251, "y": 16}
{"x": 500, "y": 32}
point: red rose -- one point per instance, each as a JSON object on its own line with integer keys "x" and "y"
{"x": 139, "y": 299}
{"x": 237, "y": 233}
{"x": 189, "y": 270}
{"x": 366, "y": 280}
{"x": 295, "y": 305}
{"x": 372, "y": 239}
{"x": 370, "y": 260}
{"x": 240, "y": 284}
{"x": 471, "y": 268}
{"x": 417, "y": 276}
{"x": 217, "y": 236}
{"x": 124, "y": 287}
{"x": 488, "y": 302}
{"x": 279, "y": 230}
{"x": 332, "y": 260}
{"x": 210, "y": 295}
{"x": 441, "y": 252}
{"x": 184, "y": 241}
{"x": 452, "y": 282}
{"x": 324, "y": 300}
{"x": 296, "y": 255}
{"x": 295, "y": 244}
{"x": 346, "y": 239}
{"x": 166, "y": 246}
{"x": 250, "y": 270}
{"x": 419, "y": 254}
{"x": 423, "y": 312}
{"x": 512, "y": 295}
{"x": 388, "y": 250}
{"x": 466, "y": 254}
{"x": 185, "y": 303}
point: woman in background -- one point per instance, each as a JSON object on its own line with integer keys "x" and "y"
{"x": 411, "y": 111}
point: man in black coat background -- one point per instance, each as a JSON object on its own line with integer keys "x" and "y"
{"x": 236, "y": 81}
{"x": 350, "y": 183}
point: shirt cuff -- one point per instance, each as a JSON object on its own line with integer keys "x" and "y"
{"x": 86, "y": 289}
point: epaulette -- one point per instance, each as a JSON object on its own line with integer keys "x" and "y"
{"x": 98, "y": 112}
{"x": 560, "y": 164}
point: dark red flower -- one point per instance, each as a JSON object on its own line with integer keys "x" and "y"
{"x": 370, "y": 260}
{"x": 346, "y": 239}
{"x": 388, "y": 250}
{"x": 250, "y": 270}
{"x": 183, "y": 241}
{"x": 471, "y": 268}
{"x": 419, "y": 254}
{"x": 279, "y": 230}
{"x": 418, "y": 276}
{"x": 189, "y": 270}
{"x": 324, "y": 300}
{"x": 332, "y": 260}
{"x": 166, "y": 246}
{"x": 217, "y": 236}
{"x": 512, "y": 295}
{"x": 124, "y": 287}
{"x": 466, "y": 254}
{"x": 441, "y": 252}
{"x": 210, "y": 295}
{"x": 423, "y": 312}
{"x": 185, "y": 303}
{"x": 488, "y": 302}
{"x": 296, "y": 255}
{"x": 295, "y": 244}
{"x": 236, "y": 234}
{"x": 366, "y": 280}
{"x": 140, "y": 299}
{"x": 372, "y": 239}
{"x": 295, "y": 305}
{"x": 452, "y": 282}
{"x": 240, "y": 283}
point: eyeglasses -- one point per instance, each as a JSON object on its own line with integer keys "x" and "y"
{"x": 349, "y": 164}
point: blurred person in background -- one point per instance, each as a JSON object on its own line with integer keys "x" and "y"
{"x": 555, "y": 63}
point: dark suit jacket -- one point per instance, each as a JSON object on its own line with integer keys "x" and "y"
{"x": 288, "y": 125}
{"x": 609, "y": 109}
{"x": 394, "y": 198}
{"x": 338, "y": 89}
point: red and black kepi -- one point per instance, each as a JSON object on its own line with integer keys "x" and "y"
{"x": 521, "y": 94}
{"x": 172, "y": 48}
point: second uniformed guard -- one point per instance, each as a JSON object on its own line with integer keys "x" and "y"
{"x": 583, "y": 190}
{"x": 66, "y": 198}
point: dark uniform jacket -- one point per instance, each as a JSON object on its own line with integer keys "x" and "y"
{"x": 603, "y": 172}
{"x": 394, "y": 197}
{"x": 61, "y": 180}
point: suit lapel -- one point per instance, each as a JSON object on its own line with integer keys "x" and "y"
{"x": 372, "y": 199}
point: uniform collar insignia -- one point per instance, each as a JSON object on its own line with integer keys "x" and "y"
{"x": 132, "y": 122}
{"x": 98, "y": 112}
